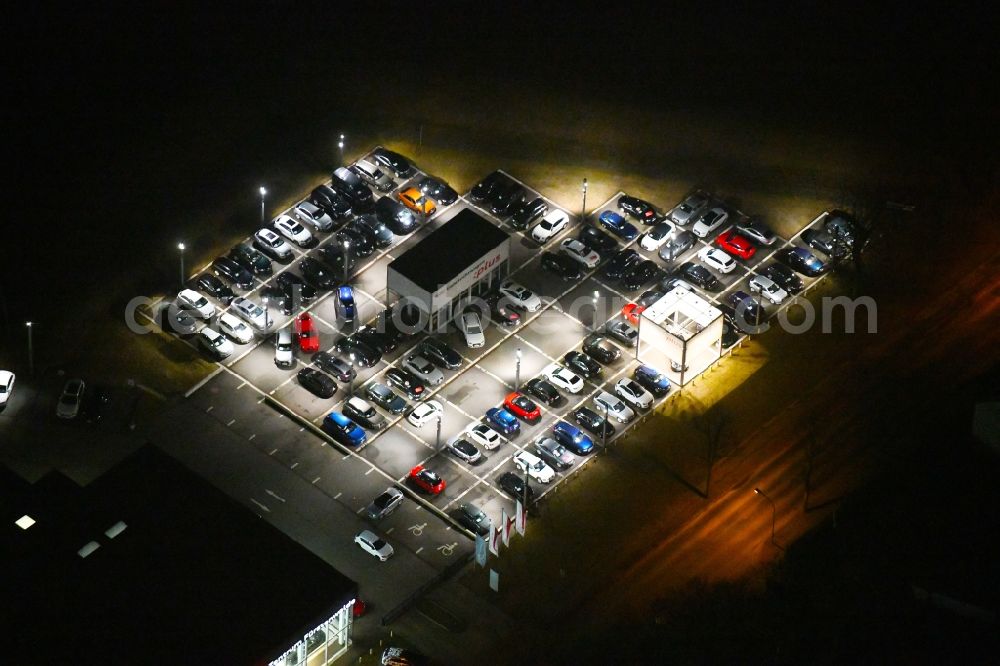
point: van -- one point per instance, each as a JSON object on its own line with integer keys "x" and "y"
{"x": 348, "y": 184}
{"x": 373, "y": 175}
{"x": 284, "y": 355}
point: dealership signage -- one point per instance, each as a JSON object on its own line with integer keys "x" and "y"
{"x": 471, "y": 275}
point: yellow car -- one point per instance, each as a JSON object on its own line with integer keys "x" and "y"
{"x": 414, "y": 199}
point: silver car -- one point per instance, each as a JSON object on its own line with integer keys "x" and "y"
{"x": 554, "y": 453}
{"x": 623, "y": 332}
{"x": 69, "y": 402}
{"x": 465, "y": 450}
{"x": 423, "y": 369}
{"x": 374, "y": 176}
{"x": 314, "y": 216}
{"x": 384, "y": 504}
{"x": 686, "y": 211}
{"x": 676, "y": 246}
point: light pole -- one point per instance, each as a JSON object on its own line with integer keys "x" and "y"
{"x": 31, "y": 351}
{"x": 263, "y": 193}
{"x": 267, "y": 313}
{"x": 596, "y": 296}
{"x": 583, "y": 209}
{"x": 340, "y": 146}
{"x": 437, "y": 438}
{"x": 350, "y": 385}
{"x": 774, "y": 512}
{"x": 181, "y": 247}
{"x": 517, "y": 371}
{"x": 604, "y": 428}
{"x": 347, "y": 254}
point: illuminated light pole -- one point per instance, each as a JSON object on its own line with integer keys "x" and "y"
{"x": 347, "y": 255}
{"x": 583, "y": 209}
{"x": 437, "y": 438}
{"x": 340, "y": 147}
{"x": 350, "y": 379}
{"x": 263, "y": 193}
{"x": 517, "y": 371}
{"x": 267, "y": 313}
{"x": 596, "y": 296}
{"x": 604, "y": 428}
{"x": 181, "y": 247}
{"x": 774, "y": 513}
{"x": 31, "y": 350}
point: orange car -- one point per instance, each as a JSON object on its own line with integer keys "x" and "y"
{"x": 414, "y": 199}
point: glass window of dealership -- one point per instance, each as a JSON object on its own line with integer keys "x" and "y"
{"x": 323, "y": 644}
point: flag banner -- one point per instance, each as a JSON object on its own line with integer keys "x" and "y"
{"x": 495, "y": 541}
{"x": 482, "y": 551}
{"x": 521, "y": 517}
{"x": 494, "y": 580}
{"x": 508, "y": 527}
{"x": 505, "y": 530}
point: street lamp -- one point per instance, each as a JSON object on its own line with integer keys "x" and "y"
{"x": 774, "y": 512}
{"x": 604, "y": 427}
{"x": 181, "y": 247}
{"x": 31, "y": 351}
{"x": 583, "y": 209}
{"x": 517, "y": 371}
{"x": 347, "y": 254}
{"x": 437, "y": 439}
{"x": 596, "y": 296}
{"x": 263, "y": 193}
{"x": 350, "y": 385}
{"x": 267, "y": 313}
{"x": 340, "y": 146}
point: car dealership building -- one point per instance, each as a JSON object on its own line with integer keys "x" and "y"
{"x": 682, "y": 332}
{"x": 465, "y": 257}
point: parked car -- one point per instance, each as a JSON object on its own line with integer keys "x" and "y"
{"x": 582, "y": 364}
{"x": 334, "y": 204}
{"x": 318, "y": 275}
{"x": 633, "y": 393}
{"x": 562, "y": 265}
{"x": 345, "y": 305}
{"x": 621, "y": 263}
{"x": 484, "y": 188}
{"x": 699, "y": 276}
{"x": 578, "y": 251}
{"x": 338, "y": 367}
{"x": 427, "y": 480}
{"x": 554, "y": 454}
{"x": 232, "y": 271}
{"x": 438, "y": 190}
{"x": 622, "y": 332}
{"x": 6, "y": 387}
{"x": 535, "y": 467}
{"x": 358, "y": 243}
{"x": 372, "y": 175}
{"x": 593, "y": 422}
{"x": 363, "y": 414}
{"x": 306, "y": 333}
{"x": 565, "y": 379}
{"x": 313, "y": 215}
{"x": 686, "y": 211}
{"x": 394, "y": 215}
{"x": 405, "y": 382}
{"x": 318, "y": 383}
{"x": 515, "y": 486}
{"x": 598, "y": 348}
{"x": 472, "y": 329}
{"x": 423, "y": 369}
{"x": 768, "y": 288}
{"x": 251, "y": 313}
{"x": 570, "y": 436}
{"x": 596, "y": 239}
{"x": 474, "y": 519}
{"x": 841, "y": 226}
{"x": 505, "y": 201}
{"x": 465, "y": 450}
{"x": 801, "y": 260}
{"x": 401, "y": 166}
{"x": 640, "y": 274}
{"x": 214, "y": 287}
{"x": 417, "y": 201}
{"x": 825, "y": 243}
{"x": 656, "y": 236}
{"x": 754, "y": 229}
{"x": 553, "y": 223}
{"x": 522, "y": 406}
{"x": 652, "y": 380}
{"x": 638, "y": 208}
{"x": 613, "y": 407}
{"x": 520, "y": 296}
{"x": 746, "y": 307}
{"x": 344, "y": 430}
{"x": 384, "y": 397}
{"x": 528, "y": 212}
{"x": 235, "y": 329}
{"x": 502, "y": 310}
{"x": 386, "y": 502}
{"x": 715, "y": 258}
{"x": 735, "y": 244}
{"x": 272, "y": 244}
{"x": 709, "y": 222}
{"x": 484, "y": 436}
{"x": 617, "y": 225}
{"x": 544, "y": 391}
{"x": 677, "y": 245}
{"x": 215, "y": 343}
{"x": 376, "y": 230}
{"x": 347, "y": 183}
{"x": 249, "y": 258}
{"x": 293, "y": 231}
{"x": 785, "y": 277}
{"x": 284, "y": 352}
{"x": 198, "y": 305}
{"x": 440, "y": 353}
{"x": 503, "y": 421}
{"x": 365, "y": 353}
{"x": 373, "y": 545}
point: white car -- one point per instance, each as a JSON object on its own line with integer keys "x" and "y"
{"x": 423, "y": 369}
{"x": 189, "y": 299}
{"x": 273, "y": 244}
{"x": 613, "y": 407}
{"x": 374, "y": 545}
{"x": 215, "y": 343}
{"x": 709, "y": 222}
{"x": 424, "y": 412}
{"x": 537, "y": 469}
{"x": 686, "y": 210}
{"x": 580, "y": 252}
{"x": 633, "y": 393}
{"x": 6, "y": 386}
{"x": 657, "y": 236}
{"x": 235, "y": 328}
{"x": 563, "y": 378}
{"x": 293, "y": 231}
{"x": 314, "y": 216}
{"x": 472, "y": 329}
{"x": 251, "y": 313}
{"x": 520, "y": 296}
{"x": 465, "y": 450}
{"x": 717, "y": 259}
{"x": 551, "y": 224}
{"x": 69, "y": 402}
{"x": 284, "y": 350}
{"x": 484, "y": 436}
{"x": 767, "y": 288}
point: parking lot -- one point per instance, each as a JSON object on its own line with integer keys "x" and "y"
{"x": 242, "y": 392}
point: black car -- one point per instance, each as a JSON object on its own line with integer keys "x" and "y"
{"x": 593, "y": 422}
{"x": 318, "y": 275}
{"x": 484, "y": 188}
{"x": 501, "y": 310}
{"x": 386, "y": 322}
{"x": 407, "y": 382}
{"x": 621, "y": 263}
{"x": 637, "y": 208}
{"x": 365, "y": 354}
{"x": 438, "y": 190}
{"x": 384, "y": 397}
{"x": 785, "y": 277}
{"x": 582, "y": 364}
{"x": 825, "y": 243}
{"x": 251, "y": 259}
{"x": 801, "y": 260}
{"x": 174, "y": 319}
{"x": 363, "y": 414}
{"x": 515, "y": 486}
{"x": 291, "y": 283}
{"x": 375, "y": 229}
{"x": 333, "y": 258}
{"x": 376, "y": 339}
{"x": 337, "y": 367}
{"x": 213, "y": 286}
{"x": 598, "y": 348}
{"x": 841, "y": 226}
{"x": 232, "y": 271}
{"x": 359, "y": 244}
{"x": 731, "y": 334}
{"x": 729, "y": 317}
{"x": 333, "y": 204}
{"x": 544, "y": 391}
{"x": 347, "y": 183}
{"x": 640, "y": 274}
{"x": 94, "y": 404}
{"x": 474, "y": 519}
{"x": 397, "y": 217}
{"x": 699, "y": 276}
{"x": 505, "y": 200}
{"x": 319, "y": 384}
{"x": 562, "y": 265}
{"x": 393, "y": 161}
{"x": 281, "y": 299}
{"x": 528, "y": 212}
{"x": 597, "y": 240}
{"x": 440, "y": 354}
{"x": 747, "y": 307}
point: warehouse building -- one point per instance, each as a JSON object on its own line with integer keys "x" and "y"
{"x": 464, "y": 258}
{"x": 681, "y": 331}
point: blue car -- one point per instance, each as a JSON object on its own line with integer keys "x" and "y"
{"x": 618, "y": 225}
{"x": 652, "y": 380}
{"x": 344, "y": 430}
{"x": 346, "y": 309}
{"x": 503, "y": 421}
{"x": 572, "y": 438}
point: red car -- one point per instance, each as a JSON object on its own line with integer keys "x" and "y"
{"x": 737, "y": 245}
{"x": 305, "y": 331}
{"x": 519, "y": 405}
{"x": 427, "y": 480}
{"x": 631, "y": 311}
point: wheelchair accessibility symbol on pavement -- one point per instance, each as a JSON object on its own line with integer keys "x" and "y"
{"x": 418, "y": 529}
{"x": 447, "y": 550}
